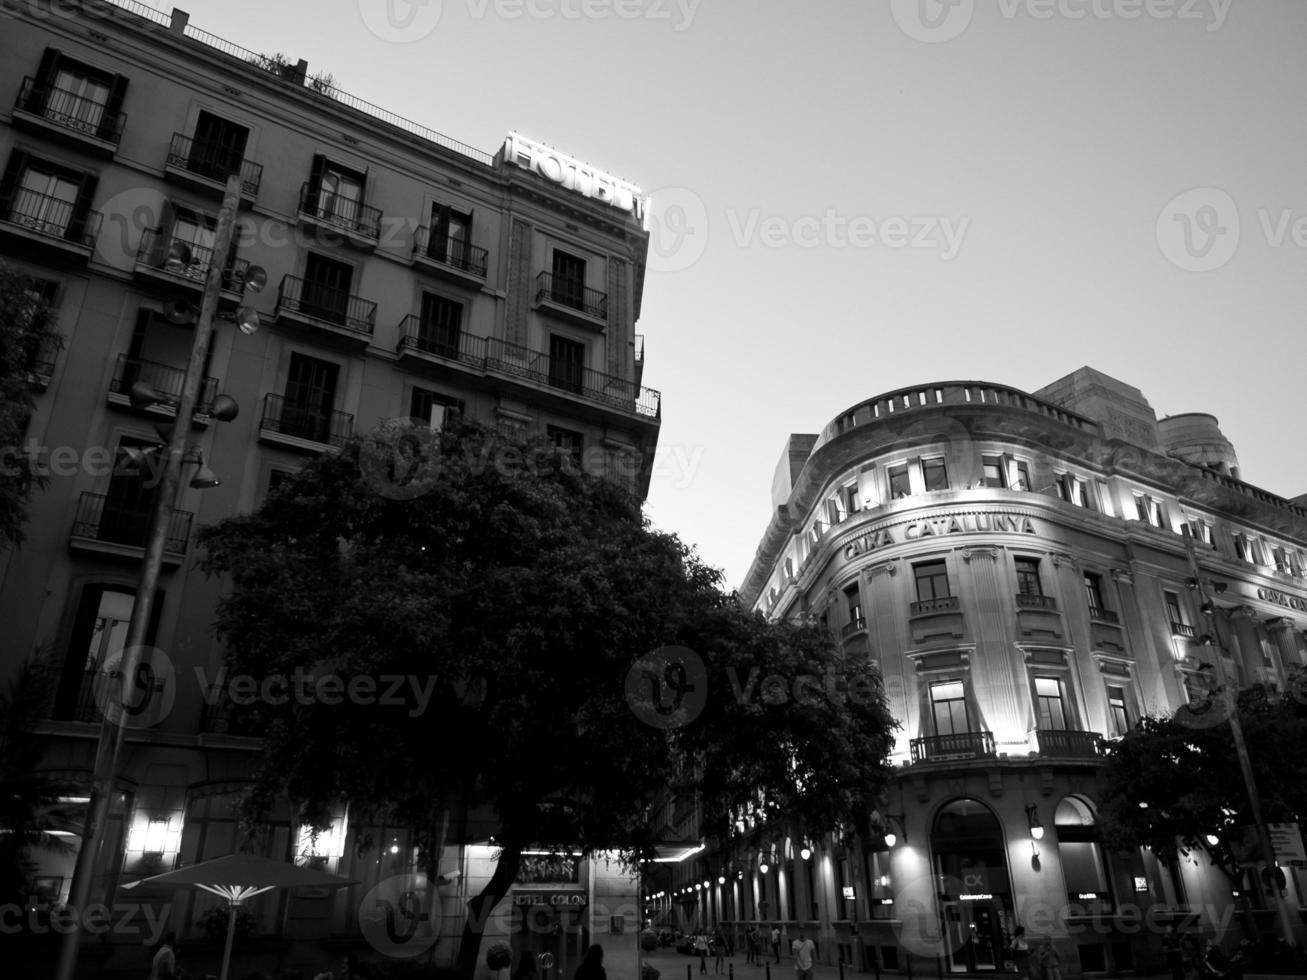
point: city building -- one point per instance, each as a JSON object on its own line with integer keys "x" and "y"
{"x": 408, "y": 276}
{"x": 1026, "y": 574}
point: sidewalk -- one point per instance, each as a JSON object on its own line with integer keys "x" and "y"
{"x": 673, "y": 966}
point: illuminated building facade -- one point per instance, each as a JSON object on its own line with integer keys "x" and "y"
{"x": 409, "y": 276}
{"x": 1021, "y": 570}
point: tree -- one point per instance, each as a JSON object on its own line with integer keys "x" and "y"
{"x": 1172, "y": 782}
{"x": 518, "y": 593}
{"x": 23, "y": 331}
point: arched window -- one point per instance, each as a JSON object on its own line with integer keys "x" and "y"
{"x": 1088, "y": 884}
{"x": 975, "y": 895}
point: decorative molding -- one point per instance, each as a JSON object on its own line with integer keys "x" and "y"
{"x": 890, "y": 568}
{"x": 981, "y": 551}
{"x": 1122, "y": 577}
{"x": 1114, "y": 666}
{"x": 1061, "y": 556}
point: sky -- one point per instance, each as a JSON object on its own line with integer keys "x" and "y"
{"x": 854, "y": 196}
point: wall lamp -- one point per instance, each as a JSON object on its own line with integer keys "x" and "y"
{"x": 1032, "y": 818}
{"x": 886, "y": 828}
{"x": 805, "y": 851}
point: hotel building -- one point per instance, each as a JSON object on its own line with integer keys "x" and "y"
{"x": 408, "y": 276}
{"x": 1025, "y": 572}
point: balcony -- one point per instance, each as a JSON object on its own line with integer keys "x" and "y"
{"x": 849, "y": 629}
{"x": 207, "y": 166}
{"x": 50, "y": 221}
{"x": 1064, "y": 744}
{"x": 68, "y": 117}
{"x": 164, "y": 378}
{"x": 945, "y": 748}
{"x": 106, "y": 527}
{"x": 451, "y": 258}
{"x": 1183, "y": 631}
{"x": 40, "y": 366}
{"x": 926, "y": 607}
{"x": 571, "y": 300}
{"x": 593, "y": 386}
{"x": 288, "y": 423}
{"x": 436, "y": 346}
{"x": 1033, "y": 600}
{"x": 1104, "y": 616}
{"x": 356, "y": 222}
{"x": 306, "y": 303}
{"x": 154, "y": 260}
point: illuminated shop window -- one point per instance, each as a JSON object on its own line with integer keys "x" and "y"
{"x": 1081, "y": 856}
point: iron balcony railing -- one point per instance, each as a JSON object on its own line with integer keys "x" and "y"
{"x": 538, "y": 366}
{"x": 51, "y": 216}
{"x": 961, "y": 745}
{"x": 354, "y": 217}
{"x": 213, "y": 161}
{"x": 1033, "y": 600}
{"x": 848, "y": 629}
{"x": 1180, "y": 629}
{"x": 572, "y": 294}
{"x": 155, "y": 251}
{"x": 1104, "y": 615}
{"x": 164, "y": 378}
{"x": 948, "y": 603}
{"x": 71, "y": 111}
{"x": 1065, "y": 744}
{"x": 44, "y": 354}
{"x": 321, "y": 302}
{"x": 453, "y": 252}
{"x": 291, "y": 418}
{"x": 101, "y": 519}
{"x": 442, "y": 342}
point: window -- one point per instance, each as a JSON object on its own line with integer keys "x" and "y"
{"x": 899, "y": 485}
{"x": 326, "y": 288}
{"x": 1174, "y": 613}
{"x": 849, "y": 497}
{"x": 434, "y": 408}
{"x": 569, "y": 443}
{"x": 993, "y": 471}
{"x": 1094, "y": 593}
{"x": 98, "y": 636}
{"x": 1198, "y": 530}
{"x": 1075, "y": 490}
{"x": 334, "y": 193}
{"x": 566, "y": 363}
{"x": 451, "y": 234}
{"x": 1028, "y": 576}
{"x": 568, "y": 285}
{"x": 1083, "y": 868}
{"x": 440, "y": 325}
{"x": 129, "y": 499}
{"x": 1284, "y": 561}
{"x": 195, "y": 232}
{"x": 1050, "y": 705}
{"x": 948, "y": 708}
{"x": 932, "y": 580}
{"x": 278, "y": 477}
{"x": 1022, "y": 481}
{"x": 46, "y": 197}
{"x": 853, "y": 598}
{"x": 77, "y": 96}
{"x": 218, "y": 147}
{"x": 1150, "y": 510}
{"x": 934, "y": 474}
{"x": 307, "y": 406}
{"x": 1118, "y": 715}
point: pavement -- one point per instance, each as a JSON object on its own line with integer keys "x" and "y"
{"x": 673, "y": 966}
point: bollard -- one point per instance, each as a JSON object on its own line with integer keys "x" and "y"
{"x": 768, "y": 966}
{"x": 730, "y": 971}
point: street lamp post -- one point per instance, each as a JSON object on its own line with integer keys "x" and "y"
{"x": 112, "y": 729}
{"x": 1240, "y": 745}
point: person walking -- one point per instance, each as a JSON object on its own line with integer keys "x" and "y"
{"x": 1021, "y": 953}
{"x": 718, "y": 950}
{"x": 164, "y": 964}
{"x": 701, "y": 950}
{"x": 592, "y": 965}
{"x": 1049, "y": 960}
{"x": 776, "y": 942}
{"x": 750, "y": 945}
{"x": 805, "y": 952}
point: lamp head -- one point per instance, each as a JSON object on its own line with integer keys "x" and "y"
{"x": 143, "y": 394}
{"x": 247, "y": 320}
{"x": 256, "y": 277}
{"x": 224, "y": 408}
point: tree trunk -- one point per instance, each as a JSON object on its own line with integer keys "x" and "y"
{"x": 480, "y": 908}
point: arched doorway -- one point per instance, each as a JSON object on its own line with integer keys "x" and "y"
{"x": 974, "y": 892}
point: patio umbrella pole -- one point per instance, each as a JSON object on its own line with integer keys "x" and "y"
{"x": 231, "y": 934}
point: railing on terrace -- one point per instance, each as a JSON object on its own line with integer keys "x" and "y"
{"x": 71, "y": 111}
{"x": 537, "y": 366}
{"x": 165, "y": 379}
{"x": 572, "y": 294}
{"x": 326, "y": 426}
{"x": 1180, "y": 629}
{"x": 456, "y": 346}
{"x": 1032, "y": 600}
{"x": 453, "y": 252}
{"x": 896, "y": 403}
{"x": 1065, "y": 744}
{"x": 353, "y": 216}
{"x": 51, "y": 216}
{"x": 324, "y": 303}
{"x": 948, "y": 603}
{"x": 1104, "y": 615}
{"x": 102, "y": 519}
{"x": 960, "y": 745}
{"x": 213, "y": 161}
{"x": 156, "y": 248}
{"x": 848, "y": 629}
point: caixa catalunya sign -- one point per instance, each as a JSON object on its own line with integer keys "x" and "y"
{"x": 567, "y": 900}
{"x": 573, "y": 174}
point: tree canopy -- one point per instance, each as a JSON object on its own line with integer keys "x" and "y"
{"x": 520, "y": 600}
{"x": 1171, "y": 782}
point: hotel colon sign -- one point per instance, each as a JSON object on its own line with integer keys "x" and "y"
{"x": 1019, "y": 570}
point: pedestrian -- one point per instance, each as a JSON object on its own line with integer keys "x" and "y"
{"x": 750, "y": 944}
{"x": 592, "y": 965}
{"x": 1173, "y": 953}
{"x": 1021, "y": 953}
{"x": 701, "y": 948}
{"x": 776, "y": 942}
{"x": 164, "y": 964}
{"x": 730, "y": 943}
{"x": 718, "y": 950}
{"x": 1050, "y": 961}
{"x": 805, "y": 952}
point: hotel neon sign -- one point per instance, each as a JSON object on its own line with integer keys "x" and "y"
{"x": 573, "y": 175}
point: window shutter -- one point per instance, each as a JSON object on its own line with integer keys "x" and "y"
{"x": 13, "y": 171}
{"x": 315, "y": 181}
{"x": 112, "y": 109}
{"x": 143, "y": 318}
{"x": 77, "y": 227}
{"x": 45, "y": 76}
